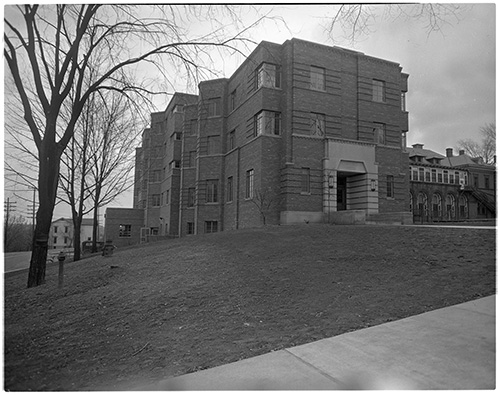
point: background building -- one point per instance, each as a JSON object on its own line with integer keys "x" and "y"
{"x": 62, "y": 233}
{"x": 450, "y": 188}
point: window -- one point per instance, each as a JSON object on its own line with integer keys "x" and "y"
{"x": 66, "y": 230}
{"x": 317, "y": 124}
{"x": 190, "y": 228}
{"x": 230, "y": 142}
{"x": 390, "y": 186}
{"x": 440, "y": 177}
{"x": 210, "y": 226}
{"x": 415, "y": 174}
{"x": 421, "y": 174}
{"x": 434, "y": 175}
{"x": 178, "y": 108}
{"x": 55, "y": 230}
{"x": 213, "y": 145}
{"x": 155, "y": 231}
{"x": 55, "y": 240}
{"x": 445, "y": 177}
{"x": 452, "y": 178}
{"x": 178, "y": 136}
{"x": 486, "y": 182}
{"x": 229, "y": 189}
{"x": 267, "y": 122}
{"x": 403, "y": 101}
{"x": 427, "y": 175}
{"x": 167, "y": 197}
{"x": 318, "y": 78}
{"x": 422, "y": 203}
{"x": 305, "y": 181}
{"x": 403, "y": 140}
{"x": 268, "y": 75}
{"x": 191, "y": 159}
{"x": 436, "y": 205}
{"x": 450, "y": 206}
{"x": 190, "y": 198}
{"x": 232, "y": 100}
{"x": 212, "y": 195}
{"x": 155, "y": 200}
{"x": 156, "y": 176}
{"x": 125, "y": 231}
{"x": 379, "y": 132}
{"x": 457, "y": 177}
{"x": 462, "y": 206}
{"x": 213, "y": 107}
{"x": 476, "y": 181}
{"x": 249, "y": 185}
{"x": 378, "y": 93}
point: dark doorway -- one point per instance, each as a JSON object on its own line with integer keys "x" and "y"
{"x": 341, "y": 192}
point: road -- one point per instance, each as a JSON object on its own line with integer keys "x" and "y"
{"x": 16, "y": 261}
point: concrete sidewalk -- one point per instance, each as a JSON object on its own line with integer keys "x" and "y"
{"x": 449, "y": 348}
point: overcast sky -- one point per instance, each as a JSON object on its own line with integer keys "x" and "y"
{"x": 451, "y": 92}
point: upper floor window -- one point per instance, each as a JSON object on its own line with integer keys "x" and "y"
{"x": 179, "y": 108}
{"x": 434, "y": 175}
{"x": 378, "y": 94}
{"x": 318, "y": 78}
{"x": 267, "y": 122}
{"x": 155, "y": 200}
{"x": 403, "y": 101}
{"x": 229, "y": 189}
{"x": 55, "y": 230}
{"x": 317, "y": 124}
{"x": 230, "y": 140}
{"x": 190, "y": 197}
{"x": 213, "y": 107}
{"x": 268, "y": 75}
{"x": 486, "y": 182}
{"x": 232, "y": 100}
{"x": 379, "y": 132}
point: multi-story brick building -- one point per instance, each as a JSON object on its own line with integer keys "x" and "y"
{"x": 450, "y": 188}
{"x": 301, "y": 132}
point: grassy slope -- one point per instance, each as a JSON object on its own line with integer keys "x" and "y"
{"x": 179, "y": 306}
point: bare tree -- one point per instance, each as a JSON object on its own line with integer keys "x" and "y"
{"x": 54, "y": 49}
{"x": 486, "y": 149}
{"x": 264, "y": 200}
{"x": 355, "y": 21}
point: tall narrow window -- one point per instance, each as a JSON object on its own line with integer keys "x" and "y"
{"x": 214, "y": 107}
{"x": 445, "y": 177}
{"x": 190, "y": 197}
{"x": 318, "y": 78}
{"x": 486, "y": 182}
{"x": 232, "y": 100}
{"x": 378, "y": 91}
{"x": 421, "y": 172}
{"x": 434, "y": 175}
{"x": 267, "y": 122}
{"x": 249, "y": 184}
{"x": 212, "y": 194}
{"x": 379, "y": 132}
{"x": 403, "y": 101}
{"x": 190, "y": 228}
{"x": 229, "y": 189}
{"x": 317, "y": 124}
{"x": 390, "y": 186}
{"x": 305, "y": 180}
{"x": 230, "y": 142}
{"x": 268, "y": 75}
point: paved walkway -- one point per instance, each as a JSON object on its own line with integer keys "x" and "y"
{"x": 448, "y": 348}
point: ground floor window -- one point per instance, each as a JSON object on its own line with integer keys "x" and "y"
{"x": 450, "y": 206}
{"x": 125, "y": 231}
{"x": 436, "y": 205}
{"x": 190, "y": 228}
{"x": 210, "y": 226}
{"x": 390, "y": 186}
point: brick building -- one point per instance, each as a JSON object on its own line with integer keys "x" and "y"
{"x": 450, "y": 188}
{"x": 301, "y": 132}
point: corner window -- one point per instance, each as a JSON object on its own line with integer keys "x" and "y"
{"x": 268, "y": 75}
{"x": 317, "y": 124}
{"x": 318, "y": 78}
{"x": 267, "y": 122}
{"x": 378, "y": 91}
{"x": 125, "y": 231}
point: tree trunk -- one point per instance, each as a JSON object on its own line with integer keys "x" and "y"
{"x": 95, "y": 224}
{"x": 48, "y": 176}
{"x": 77, "y": 245}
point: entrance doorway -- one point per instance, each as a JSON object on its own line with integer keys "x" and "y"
{"x": 341, "y": 193}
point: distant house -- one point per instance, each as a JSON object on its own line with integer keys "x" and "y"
{"x": 450, "y": 188}
{"x": 61, "y": 234}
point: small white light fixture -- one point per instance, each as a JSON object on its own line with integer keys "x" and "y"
{"x": 373, "y": 185}
{"x": 330, "y": 181}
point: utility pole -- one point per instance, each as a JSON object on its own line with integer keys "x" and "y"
{"x": 8, "y": 207}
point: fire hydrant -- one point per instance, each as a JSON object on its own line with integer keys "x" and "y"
{"x": 61, "y": 257}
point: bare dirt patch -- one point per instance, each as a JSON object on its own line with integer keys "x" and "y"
{"x": 184, "y": 305}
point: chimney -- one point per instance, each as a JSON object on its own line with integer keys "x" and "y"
{"x": 461, "y": 152}
{"x": 418, "y": 146}
{"x": 449, "y": 152}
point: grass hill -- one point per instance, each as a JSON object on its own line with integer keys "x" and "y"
{"x": 183, "y": 305}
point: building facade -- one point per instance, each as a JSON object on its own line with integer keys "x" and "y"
{"x": 301, "y": 132}
{"x": 450, "y": 188}
{"x": 62, "y": 232}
